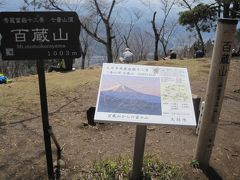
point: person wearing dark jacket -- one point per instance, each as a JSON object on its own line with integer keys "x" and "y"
{"x": 63, "y": 65}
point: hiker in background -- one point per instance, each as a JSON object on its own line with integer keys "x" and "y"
{"x": 235, "y": 53}
{"x": 198, "y": 54}
{"x": 127, "y": 56}
{"x": 173, "y": 54}
{"x": 63, "y": 65}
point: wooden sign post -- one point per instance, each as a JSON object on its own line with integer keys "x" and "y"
{"x": 215, "y": 89}
{"x": 45, "y": 121}
{"x": 140, "y": 138}
{"x": 144, "y": 95}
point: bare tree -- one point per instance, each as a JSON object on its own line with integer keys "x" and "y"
{"x": 117, "y": 44}
{"x": 99, "y": 14}
{"x": 104, "y": 12}
{"x": 141, "y": 44}
{"x": 124, "y": 31}
{"x": 31, "y": 5}
{"x": 156, "y": 36}
{"x": 84, "y": 46}
{"x": 125, "y": 37}
{"x": 184, "y": 45}
{"x": 166, "y": 35}
{"x": 58, "y": 5}
{"x": 161, "y": 33}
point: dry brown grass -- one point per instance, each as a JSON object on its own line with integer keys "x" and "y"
{"x": 24, "y": 90}
{"x": 71, "y": 94}
{"x": 22, "y": 94}
{"x": 196, "y": 67}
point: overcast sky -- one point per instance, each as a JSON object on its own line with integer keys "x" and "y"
{"x": 15, "y": 5}
{"x": 10, "y": 5}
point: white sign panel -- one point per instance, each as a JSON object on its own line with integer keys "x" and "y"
{"x": 145, "y": 95}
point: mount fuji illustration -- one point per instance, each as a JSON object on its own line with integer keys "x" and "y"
{"x": 120, "y": 88}
{"x": 122, "y": 99}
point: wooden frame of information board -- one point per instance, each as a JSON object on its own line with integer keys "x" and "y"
{"x": 143, "y": 95}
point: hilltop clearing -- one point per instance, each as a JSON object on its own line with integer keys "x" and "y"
{"x": 22, "y": 154}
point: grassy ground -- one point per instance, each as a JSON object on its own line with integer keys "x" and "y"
{"x": 69, "y": 97}
{"x": 23, "y": 92}
{"x": 196, "y": 67}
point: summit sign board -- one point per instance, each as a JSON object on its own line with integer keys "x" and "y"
{"x": 145, "y": 95}
{"x": 39, "y": 35}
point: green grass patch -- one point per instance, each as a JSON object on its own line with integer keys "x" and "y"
{"x": 194, "y": 163}
{"x": 156, "y": 169}
{"x": 120, "y": 169}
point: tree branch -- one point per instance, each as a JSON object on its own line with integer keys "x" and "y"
{"x": 111, "y": 8}
{"x": 94, "y": 35}
{"x": 187, "y": 4}
{"x": 53, "y": 4}
{"x": 99, "y": 11}
{"x": 154, "y": 25}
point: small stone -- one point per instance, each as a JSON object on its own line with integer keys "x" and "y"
{"x": 61, "y": 163}
{"x": 85, "y": 124}
{"x": 151, "y": 128}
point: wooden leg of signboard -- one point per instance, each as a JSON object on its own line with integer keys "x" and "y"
{"x": 45, "y": 122}
{"x": 139, "y": 151}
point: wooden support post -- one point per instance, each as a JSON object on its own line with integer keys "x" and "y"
{"x": 200, "y": 117}
{"x": 139, "y": 151}
{"x": 45, "y": 122}
{"x": 215, "y": 89}
{"x": 196, "y": 103}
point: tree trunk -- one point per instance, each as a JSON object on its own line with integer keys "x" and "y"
{"x": 109, "y": 53}
{"x": 83, "y": 61}
{"x": 109, "y": 44}
{"x": 156, "y": 49}
{"x": 164, "y": 46}
{"x": 200, "y": 38}
{"x": 164, "y": 49}
{"x": 156, "y": 35}
{"x": 126, "y": 43}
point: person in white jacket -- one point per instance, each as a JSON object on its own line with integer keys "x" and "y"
{"x": 127, "y": 56}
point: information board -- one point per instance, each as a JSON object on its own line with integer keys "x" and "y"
{"x": 39, "y": 35}
{"x": 144, "y": 94}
